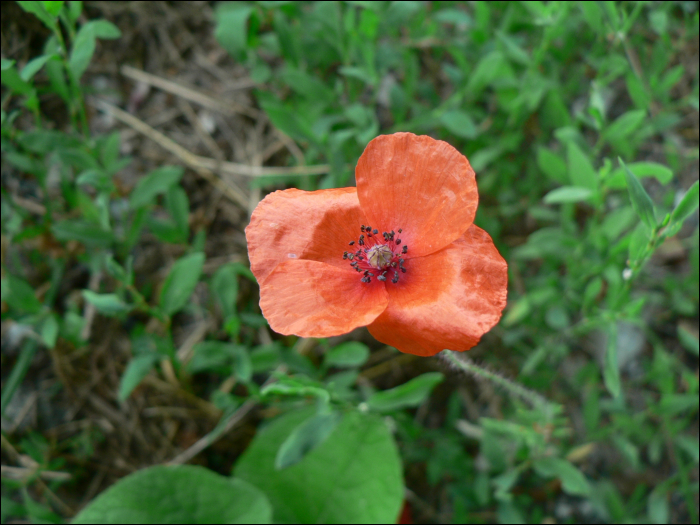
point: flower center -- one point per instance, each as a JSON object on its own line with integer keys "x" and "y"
{"x": 377, "y": 258}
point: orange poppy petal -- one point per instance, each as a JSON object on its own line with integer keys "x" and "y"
{"x": 296, "y": 224}
{"x": 446, "y": 300}
{"x": 419, "y": 184}
{"x": 313, "y": 299}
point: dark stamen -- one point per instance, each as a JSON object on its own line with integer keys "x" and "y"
{"x": 351, "y": 243}
{"x": 381, "y": 278}
{"x": 398, "y": 241}
{"x": 405, "y": 249}
{"x": 396, "y": 278}
{"x": 400, "y": 230}
{"x": 375, "y": 232}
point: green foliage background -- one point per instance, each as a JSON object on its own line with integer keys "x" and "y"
{"x": 581, "y": 122}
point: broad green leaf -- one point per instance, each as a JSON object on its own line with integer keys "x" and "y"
{"x": 82, "y": 50}
{"x": 688, "y": 204}
{"x": 155, "y": 183}
{"x": 581, "y": 172}
{"x": 38, "y": 10}
{"x": 105, "y": 29}
{"x": 232, "y": 28}
{"x": 641, "y": 202}
{"x": 617, "y": 179}
{"x": 639, "y": 240}
{"x": 410, "y": 394}
{"x": 568, "y": 194}
{"x": 611, "y": 367}
{"x": 552, "y": 165}
{"x": 178, "y": 494}
{"x": 624, "y": 125}
{"x": 348, "y": 354}
{"x": 33, "y": 66}
{"x": 354, "y": 476}
{"x": 572, "y": 480}
{"x": 180, "y": 283}
{"x": 12, "y": 79}
{"x": 84, "y": 44}
{"x": 306, "y": 437}
{"x": 19, "y": 295}
{"x": 224, "y": 286}
{"x": 459, "y": 123}
{"x": 136, "y": 370}
{"x": 107, "y": 303}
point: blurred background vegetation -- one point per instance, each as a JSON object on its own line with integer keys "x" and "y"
{"x": 137, "y": 138}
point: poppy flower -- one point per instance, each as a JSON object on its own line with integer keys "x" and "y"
{"x": 399, "y": 254}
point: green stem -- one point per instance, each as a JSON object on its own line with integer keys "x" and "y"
{"x": 468, "y": 366}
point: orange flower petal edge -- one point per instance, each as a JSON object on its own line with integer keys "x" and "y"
{"x": 421, "y": 185}
{"x": 313, "y": 299}
{"x": 448, "y": 300}
{"x": 296, "y": 224}
{"x": 399, "y": 254}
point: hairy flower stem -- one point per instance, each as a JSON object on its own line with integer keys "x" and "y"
{"x": 532, "y": 398}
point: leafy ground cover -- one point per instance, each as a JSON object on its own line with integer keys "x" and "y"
{"x": 138, "y": 376}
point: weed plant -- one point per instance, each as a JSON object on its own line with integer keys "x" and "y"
{"x": 581, "y": 122}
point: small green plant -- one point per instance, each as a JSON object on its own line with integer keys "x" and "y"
{"x": 580, "y": 406}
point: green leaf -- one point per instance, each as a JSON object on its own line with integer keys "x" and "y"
{"x": 19, "y": 295}
{"x": 136, "y": 370}
{"x": 232, "y": 28}
{"x": 347, "y": 355}
{"x": 84, "y": 44}
{"x": 641, "y": 202}
{"x": 688, "y": 340}
{"x": 33, "y": 66}
{"x": 354, "y": 476}
{"x": 210, "y": 355}
{"x": 611, "y": 367}
{"x": 11, "y": 78}
{"x": 552, "y": 165}
{"x": 572, "y": 480}
{"x": 38, "y": 10}
{"x": 53, "y": 7}
{"x": 617, "y": 179}
{"x": 568, "y": 194}
{"x": 178, "y": 494}
{"x": 224, "y": 286}
{"x": 306, "y": 437}
{"x": 155, "y": 183}
{"x": 581, "y": 170}
{"x": 410, "y": 394}
{"x": 49, "y": 331}
{"x": 624, "y": 125}
{"x": 88, "y": 233}
{"x": 82, "y": 50}
{"x": 105, "y": 29}
{"x": 180, "y": 283}
{"x": 459, "y": 123}
{"x": 107, "y": 303}
{"x": 178, "y": 205}
{"x": 688, "y": 204}
{"x": 657, "y": 506}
